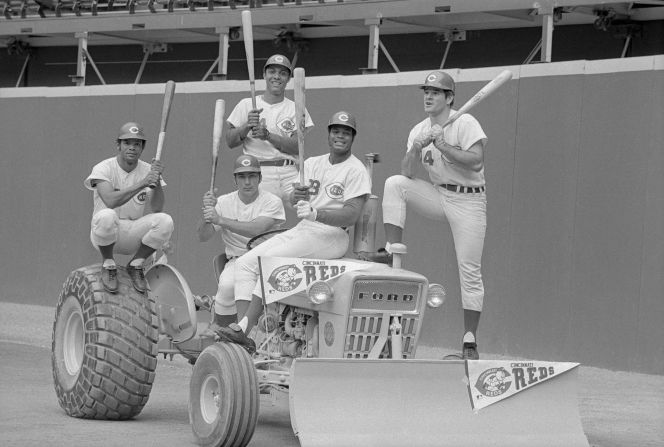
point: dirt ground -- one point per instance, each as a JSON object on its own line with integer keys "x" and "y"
{"x": 618, "y": 409}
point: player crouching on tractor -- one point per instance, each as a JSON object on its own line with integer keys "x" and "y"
{"x": 330, "y": 201}
{"x": 122, "y": 186}
{"x": 238, "y": 216}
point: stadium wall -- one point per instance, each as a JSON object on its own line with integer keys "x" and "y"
{"x": 574, "y": 252}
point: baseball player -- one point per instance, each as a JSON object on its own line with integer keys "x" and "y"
{"x": 122, "y": 186}
{"x": 337, "y": 187}
{"x": 238, "y": 216}
{"x": 454, "y": 159}
{"x": 269, "y": 132}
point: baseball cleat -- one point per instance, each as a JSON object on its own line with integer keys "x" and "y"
{"x": 212, "y": 330}
{"x": 469, "y": 351}
{"x": 382, "y": 256}
{"x": 109, "y": 278}
{"x": 137, "y": 278}
{"x": 233, "y": 333}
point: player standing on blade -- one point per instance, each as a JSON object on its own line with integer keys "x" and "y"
{"x": 119, "y": 222}
{"x": 454, "y": 160}
{"x": 239, "y": 216}
{"x": 268, "y": 132}
{"x": 338, "y": 185}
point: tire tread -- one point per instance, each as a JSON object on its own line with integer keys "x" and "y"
{"x": 120, "y": 351}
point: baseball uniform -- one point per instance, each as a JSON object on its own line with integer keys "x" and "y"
{"x": 330, "y": 186}
{"x": 231, "y": 207}
{"x": 279, "y": 120}
{"x": 126, "y": 226}
{"x": 464, "y": 208}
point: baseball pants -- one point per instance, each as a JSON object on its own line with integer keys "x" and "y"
{"x": 466, "y": 215}
{"x": 153, "y": 230}
{"x": 279, "y": 180}
{"x": 305, "y": 240}
{"x": 224, "y": 302}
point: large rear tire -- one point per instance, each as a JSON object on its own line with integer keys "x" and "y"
{"x": 223, "y": 397}
{"x": 104, "y": 350}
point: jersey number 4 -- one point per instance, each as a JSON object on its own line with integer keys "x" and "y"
{"x": 428, "y": 158}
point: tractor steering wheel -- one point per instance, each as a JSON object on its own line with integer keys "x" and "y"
{"x": 260, "y": 238}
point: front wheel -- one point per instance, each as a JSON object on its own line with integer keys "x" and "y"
{"x": 223, "y": 397}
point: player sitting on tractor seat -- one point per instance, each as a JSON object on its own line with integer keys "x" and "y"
{"x": 238, "y": 216}
{"x": 336, "y": 186}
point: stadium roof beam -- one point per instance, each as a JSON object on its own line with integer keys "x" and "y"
{"x": 432, "y": 14}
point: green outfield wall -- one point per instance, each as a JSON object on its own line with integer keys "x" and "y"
{"x": 574, "y": 254}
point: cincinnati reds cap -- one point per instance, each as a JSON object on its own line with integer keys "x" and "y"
{"x": 278, "y": 59}
{"x": 131, "y": 130}
{"x": 343, "y": 118}
{"x": 440, "y": 80}
{"x": 246, "y": 163}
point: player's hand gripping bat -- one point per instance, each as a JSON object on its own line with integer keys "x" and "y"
{"x": 217, "y": 133}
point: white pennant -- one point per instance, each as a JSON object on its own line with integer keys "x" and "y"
{"x": 490, "y": 381}
{"x": 282, "y": 277}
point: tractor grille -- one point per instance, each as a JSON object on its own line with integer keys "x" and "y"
{"x": 373, "y": 302}
{"x": 364, "y": 330}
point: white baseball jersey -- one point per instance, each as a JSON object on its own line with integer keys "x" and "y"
{"x": 231, "y": 207}
{"x": 279, "y": 119}
{"x": 464, "y": 132}
{"x": 110, "y": 171}
{"x": 333, "y": 184}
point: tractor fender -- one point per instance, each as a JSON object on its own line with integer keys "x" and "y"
{"x": 174, "y": 302}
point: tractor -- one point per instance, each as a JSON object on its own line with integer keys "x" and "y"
{"x": 342, "y": 345}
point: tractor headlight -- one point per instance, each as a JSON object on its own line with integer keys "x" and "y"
{"x": 436, "y": 295}
{"x": 320, "y": 292}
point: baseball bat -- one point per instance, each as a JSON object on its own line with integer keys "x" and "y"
{"x": 248, "y": 32}
{"x": 481, "y": 95}
{"x": 165, "y": 112}
{"x": 217, "y": 133}
{"x": 364, "y": 234}
{"x": 300, "y": 116}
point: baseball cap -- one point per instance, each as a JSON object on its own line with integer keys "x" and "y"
{"x": 246, "y": 163}
{"x": 343, "y": 118}
{"x": 278, "y": 59}
{"x": 131, "y": 130}
{"x": 440, "y": 80}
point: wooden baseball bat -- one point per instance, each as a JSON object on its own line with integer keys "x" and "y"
{"x": 217, "y": 133}
{"x": 300, "y": 116}
{"x": 248, "y": 32}
{"x": 481, "y": 95}
{"x": 165, "y": 112}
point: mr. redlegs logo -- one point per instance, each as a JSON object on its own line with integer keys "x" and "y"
{"x": 285, "y": 278}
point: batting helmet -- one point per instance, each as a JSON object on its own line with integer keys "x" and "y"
{"x": 131, "y": 130}
{"x": 440, "y": 80}
{"x": 246, "y": 163}
{"x": 278, "y": 59}
{"x": 343, "y": 118}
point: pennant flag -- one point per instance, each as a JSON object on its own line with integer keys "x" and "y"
{"x": 282, "y": 277}
{"x": 490, "y": 381}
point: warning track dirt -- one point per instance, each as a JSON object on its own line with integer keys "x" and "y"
{"x": 617, "y": 409}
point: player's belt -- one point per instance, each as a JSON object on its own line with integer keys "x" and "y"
{"x": 280, "y": 162}
{"x": 464, "y": 189}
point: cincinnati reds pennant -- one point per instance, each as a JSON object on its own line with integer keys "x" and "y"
{"x": 282, "y": 277}
{"x": 490, "y": 381}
